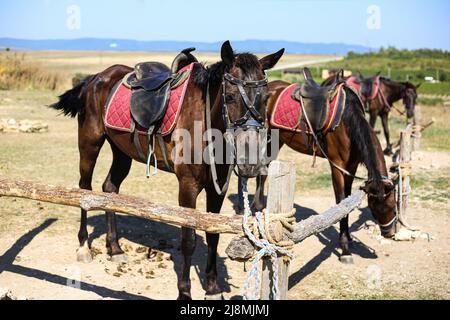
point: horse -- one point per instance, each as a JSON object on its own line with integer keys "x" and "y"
{"x": 381, "y": 104}
{"x": 352, "y": 143}
{"x": 236, "y": 86}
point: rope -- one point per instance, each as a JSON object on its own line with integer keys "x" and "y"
{"x": 268, "y": 247}
{"x": 406, "y": 169}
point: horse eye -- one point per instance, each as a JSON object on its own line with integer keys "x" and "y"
{"x": 229, "y": 98}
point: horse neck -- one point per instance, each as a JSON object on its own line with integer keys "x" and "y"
{"x": 379, "y": 156}
{"x": 393, "y": 91}
{"x": 215, "y": 95}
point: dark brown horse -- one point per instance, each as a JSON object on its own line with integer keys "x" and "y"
{"x": 382, "y": 104}
{"x": 352, "y": 143}
{"x": 223, "y": 82}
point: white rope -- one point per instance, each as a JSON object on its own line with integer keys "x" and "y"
{"x": 266, "y": 249}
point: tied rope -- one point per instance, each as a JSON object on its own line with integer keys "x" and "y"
{"x": 268, "y": 247}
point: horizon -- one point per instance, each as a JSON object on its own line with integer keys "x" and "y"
{"x": 373, "y": 24}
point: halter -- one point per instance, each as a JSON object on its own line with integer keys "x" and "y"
{"x": 252, "y": 118}
{"x": 386, "y": 226}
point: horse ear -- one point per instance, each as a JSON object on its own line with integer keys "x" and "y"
{"x": 307, "y": 74}
{"x": 227, "y": 54}
{"x": 378, "y": 74}
{"x": 270, "y": 61}
{"x": 418, "y": 86}
{"x": 340, "y": 75}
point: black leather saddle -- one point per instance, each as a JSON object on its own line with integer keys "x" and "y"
{"x": 367, "y": 85}
{"x": 316, "y": 99}
{"x": 151, "y": 84}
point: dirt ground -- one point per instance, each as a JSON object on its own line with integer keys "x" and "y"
{"x": 38, "y": 241}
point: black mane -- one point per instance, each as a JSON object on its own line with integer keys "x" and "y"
{"x": 360, "y": 134}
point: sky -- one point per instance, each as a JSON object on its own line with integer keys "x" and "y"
{"x": 374, "y": 23}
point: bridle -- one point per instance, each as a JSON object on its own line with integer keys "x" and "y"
{"x": 252, "y": 120}
{"x": 408, "y": 99}
{"x": 386, "y": 226}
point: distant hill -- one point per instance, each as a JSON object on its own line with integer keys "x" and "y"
{"x": 260, "y": 46}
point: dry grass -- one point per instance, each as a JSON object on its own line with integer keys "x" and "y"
{"x": 17, "y": 72}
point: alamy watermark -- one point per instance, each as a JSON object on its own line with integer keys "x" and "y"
{"x": 374, "y": 19}
{"x": 73, "y": 21}
{"x": 374, "y": 274}
{"x": 251, "y": 147}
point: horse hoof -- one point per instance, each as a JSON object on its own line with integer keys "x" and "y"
{"x": 84, "y": 255}
{"x": 184, "y": 297}
{"x": 388, "y": 152}
{"x": 214, "y": 297}
{"x": 119, "y": 258}
{"x": 346, "y": 259}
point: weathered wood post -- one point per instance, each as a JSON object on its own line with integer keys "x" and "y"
{"x": 417, "y": 129}
{"x": 405, "y": 171}
{"x": 280, "y": 199}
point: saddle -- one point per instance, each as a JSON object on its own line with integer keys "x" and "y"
{"x": 367, "y": 87}
{"x": 316, "y": 100}
{"x": 151, "y": 84}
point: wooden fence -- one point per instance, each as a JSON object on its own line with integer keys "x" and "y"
{"x": 280, "y": 200}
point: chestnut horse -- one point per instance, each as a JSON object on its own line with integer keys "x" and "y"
{"x": 352, "y": 143}
{"x": 389, "y": 93}
{"x": 231, "y": 84}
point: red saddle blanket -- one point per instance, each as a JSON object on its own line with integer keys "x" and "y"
{"x": 118, "y": 115}
{"x": 351, "y": 82}
{"x": 287, "y": 111}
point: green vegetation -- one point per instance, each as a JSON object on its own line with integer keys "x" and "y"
{"x": 425, "y": 101}
{"x": 433, "y": 187}
{"x": 399, "y": 65}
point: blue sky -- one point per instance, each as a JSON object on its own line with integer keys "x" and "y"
{"x": 402, "y": 23}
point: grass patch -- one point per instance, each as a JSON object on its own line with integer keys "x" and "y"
{"x": 316, "y": 181}
{"x": 435, "y": 187}
{"x": 437, "y": 137}
{"x": 18, "y": 73}
{"x": 441, "y": 88}
{"x": 426, "y": 101}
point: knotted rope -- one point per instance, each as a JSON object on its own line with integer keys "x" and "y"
{"x": 260, "y": 236}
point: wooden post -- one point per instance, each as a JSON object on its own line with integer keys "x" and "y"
{"x": 417, "y": 130}
{"x": 405, "y": 167}
{"x": 280, "y": 199}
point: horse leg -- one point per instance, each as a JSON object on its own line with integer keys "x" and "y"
{"x": 214, "y": 204}
{"x": 242, "y": 182}
{"x": 258, "y": 203}
{"x": 89, "y": 147}
{"x": 344, "y": 234}
{"x": 189, "y": 190}
{"x": 373, "y": 118}
{"x": 120, "y": 168}
{"x": 385, "y": 122}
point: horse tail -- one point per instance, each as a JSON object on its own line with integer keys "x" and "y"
{"x": 71, "y": 102}
{"x": 361, "y": 135}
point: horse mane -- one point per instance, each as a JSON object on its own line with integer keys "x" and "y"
{"x": 360, "y": 134}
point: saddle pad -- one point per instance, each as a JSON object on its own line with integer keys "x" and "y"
{"x": 351, "y": 82}
{"x": 118, "y": 115}
{"x": 288, "y": 111}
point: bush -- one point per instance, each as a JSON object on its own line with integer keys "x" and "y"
{"x": 16, "y": 73}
